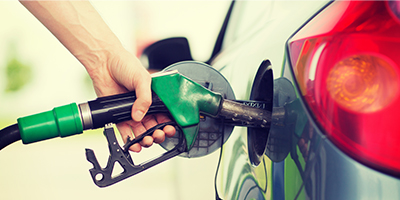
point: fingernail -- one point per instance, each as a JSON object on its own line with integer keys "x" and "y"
{"x": 138, "y": 115}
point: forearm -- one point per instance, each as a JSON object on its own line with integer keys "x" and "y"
{"x": 79, "y": 27}
{"x": 113, "y": 70}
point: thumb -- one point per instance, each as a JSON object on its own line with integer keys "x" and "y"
{"x": 129, "y": 72}
{"x": 142, "y": 89}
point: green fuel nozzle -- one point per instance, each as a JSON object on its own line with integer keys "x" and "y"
{"x": 191, "y": 106}
{"x": 173, "y": 93}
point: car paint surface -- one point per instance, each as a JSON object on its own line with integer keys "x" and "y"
{"x": 314, "y": 168}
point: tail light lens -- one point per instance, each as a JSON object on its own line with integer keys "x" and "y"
{"x": 346, "y": 63}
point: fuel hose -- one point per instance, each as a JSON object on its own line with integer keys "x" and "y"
{"x": 9, "y": 135}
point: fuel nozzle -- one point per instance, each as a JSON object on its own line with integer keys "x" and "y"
{"x": 173, "y": 93}
{"x": 201, "y": 116}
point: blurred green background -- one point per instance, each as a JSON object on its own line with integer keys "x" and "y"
{"x": 37, "y": 73}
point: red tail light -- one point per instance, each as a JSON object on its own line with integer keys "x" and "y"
{"x": 346, "y": 62}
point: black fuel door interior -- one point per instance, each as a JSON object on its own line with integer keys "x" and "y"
{"x": 262, "y": 91}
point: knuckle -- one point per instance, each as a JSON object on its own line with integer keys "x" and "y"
{"x": 146, "y": 102}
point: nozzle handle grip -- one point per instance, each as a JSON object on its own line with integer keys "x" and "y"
{"x": 118, "y": 108}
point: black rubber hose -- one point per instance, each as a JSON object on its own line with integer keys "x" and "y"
{"x": 9, "y": 135}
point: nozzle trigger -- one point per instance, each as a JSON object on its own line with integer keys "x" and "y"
{"x": 149, "y": 132}
{"x": 104, "y": 177}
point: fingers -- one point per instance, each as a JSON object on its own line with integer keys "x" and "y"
{"x": 168, "y": 130}
{"x": 159, "y": 136}
{"x": 147, "y": 123}
{"x": 130, "y": 128}
{"x": 138, "y": 128}
{"x": 126, "y": 131}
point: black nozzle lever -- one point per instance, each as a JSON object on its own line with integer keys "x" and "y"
{"x": 103, "y": 177}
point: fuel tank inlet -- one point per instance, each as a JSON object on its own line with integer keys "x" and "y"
{"x": 272, "y": 140}
{"x": 262, "y": 91}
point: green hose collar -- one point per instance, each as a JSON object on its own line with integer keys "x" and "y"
{"x": 62, "y": 121}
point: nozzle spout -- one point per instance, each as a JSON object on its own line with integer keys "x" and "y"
{"x": 248, "y": 115}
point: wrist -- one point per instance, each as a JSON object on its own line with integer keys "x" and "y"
{"x": 97, "y": 61}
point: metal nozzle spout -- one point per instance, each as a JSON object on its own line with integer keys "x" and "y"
{"x": 245, "y": 114}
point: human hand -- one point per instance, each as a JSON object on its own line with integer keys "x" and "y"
{"x": 80, "y": 28}
{"x": 122, "y": 73}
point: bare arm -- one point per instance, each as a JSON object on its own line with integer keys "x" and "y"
{"x": 79, "y": 27}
